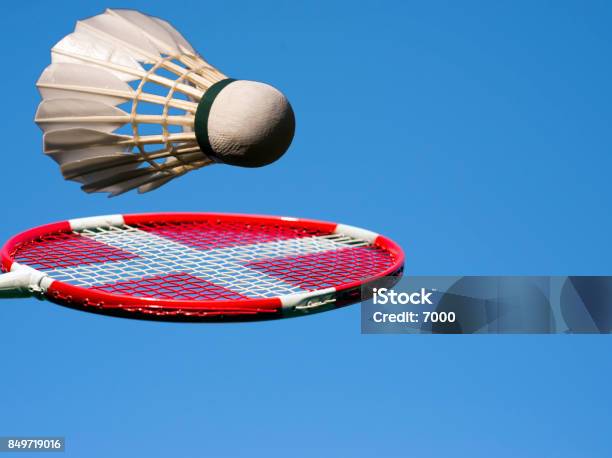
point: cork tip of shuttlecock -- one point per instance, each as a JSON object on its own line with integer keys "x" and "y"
{"x": 250, "y": 124}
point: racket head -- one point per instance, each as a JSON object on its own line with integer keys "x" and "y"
{"x": 203, "y": 266}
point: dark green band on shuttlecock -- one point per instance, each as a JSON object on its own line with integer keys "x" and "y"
{"x": 202, "y": 114}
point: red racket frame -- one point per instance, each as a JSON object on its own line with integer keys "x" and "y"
{"x": 191, "y": 310}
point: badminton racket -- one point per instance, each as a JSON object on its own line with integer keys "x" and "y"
{"x": 197, "y": 266}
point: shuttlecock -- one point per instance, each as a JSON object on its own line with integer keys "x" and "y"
{"x": 128, "y": 103}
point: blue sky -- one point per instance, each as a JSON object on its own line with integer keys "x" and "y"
{"x": 476, "y": 134}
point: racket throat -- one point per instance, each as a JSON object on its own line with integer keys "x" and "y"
{"x": 23, "y": 281}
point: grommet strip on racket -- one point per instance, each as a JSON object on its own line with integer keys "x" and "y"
{"x": 197, "y": 266}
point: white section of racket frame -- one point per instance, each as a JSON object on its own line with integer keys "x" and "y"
{"x": 356, "y": 233}
{"x": 80, "y": 224}
{"x": 23, "y": 281}
{"x": 308, "y": 301}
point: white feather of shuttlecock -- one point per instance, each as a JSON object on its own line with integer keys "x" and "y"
{"x": 112, "y": 60}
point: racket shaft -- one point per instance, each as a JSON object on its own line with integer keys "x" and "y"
{"x": 22, "y": 281}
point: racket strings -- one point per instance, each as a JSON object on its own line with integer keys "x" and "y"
{"x": 324, "y": 270}
{"x": 204, "y": 260}
{"x": 65, "y": 249}
{"x": 217, "y": 234}
{"x": 178, "y": 286}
